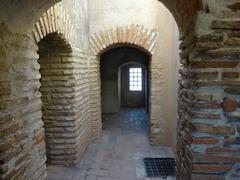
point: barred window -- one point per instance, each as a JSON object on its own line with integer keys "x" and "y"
{"x": 135, "y": 79}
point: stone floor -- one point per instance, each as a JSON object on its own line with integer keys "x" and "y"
{"x": 120, "y": 154}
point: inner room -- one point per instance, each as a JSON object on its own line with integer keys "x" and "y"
{"x": 125, "y": 83}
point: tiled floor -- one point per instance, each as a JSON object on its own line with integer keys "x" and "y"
{"x": 120, "y": 154}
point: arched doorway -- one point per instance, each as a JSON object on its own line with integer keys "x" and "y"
{"x": 120, "y": 84}
{"x": 195, "y": 65}
{"x": 134, "y": 36}
{"x": 124, "y": 87}
{"x": 56, "y": 75}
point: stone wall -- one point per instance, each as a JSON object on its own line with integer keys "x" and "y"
{"x": 208, "y": 128}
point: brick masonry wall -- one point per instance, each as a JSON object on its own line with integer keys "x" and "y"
{"x": 134, "y": 35}
{"x": 81, "y": 106}
{"x": 208, "y": 125}
{"x": 209, "y": 101}
{"x": 64, "y": 70}
{"x": 158, "y": 124}
{"x": 22, "y": 143}
{"x": 95, "y": 99}
{"x": 57, "y": 96}
{"x": 65, "y": 97}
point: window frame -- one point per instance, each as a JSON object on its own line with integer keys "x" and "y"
{"x": 135, "y": 79}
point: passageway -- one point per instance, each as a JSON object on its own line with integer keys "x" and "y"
{"x": 124, "y": 78}
{"x": 125, "y": 118}
{"x": 120, "y": 153}
{"x": 89, "y": 88}
{"x": 54, "y": 60}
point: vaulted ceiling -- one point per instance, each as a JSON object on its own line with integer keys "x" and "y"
{"x": 22, "y": 14}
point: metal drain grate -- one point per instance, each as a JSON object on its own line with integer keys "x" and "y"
{"x": 158, "y": 167}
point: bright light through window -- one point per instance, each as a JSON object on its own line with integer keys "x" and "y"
{"x": 135, "y": 79}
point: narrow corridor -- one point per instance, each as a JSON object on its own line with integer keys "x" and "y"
{"x": 65, "y": 63}
{"x": 120, "y": 154}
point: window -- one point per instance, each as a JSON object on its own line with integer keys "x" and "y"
{"x": 135, "y": 79}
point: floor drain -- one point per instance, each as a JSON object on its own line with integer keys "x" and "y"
{"x": 159, "y": 167}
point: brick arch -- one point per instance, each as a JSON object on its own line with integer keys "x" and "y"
{"x": 135, "y": 35}
{"x": 132, "y": 35}
{"x": 55, "y": 20}
{"x": 184, "y": 13}
{"x": 54, "y": 34}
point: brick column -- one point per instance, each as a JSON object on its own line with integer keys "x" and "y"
{"x": 209, "y": 100}
{"x": 22, "y": 136}
{"x": 65, "y": 97}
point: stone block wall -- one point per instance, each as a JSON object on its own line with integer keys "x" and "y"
{"x": 208, "y": 128}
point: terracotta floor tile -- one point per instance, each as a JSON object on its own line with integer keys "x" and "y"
{"x": 120, "y": 154}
